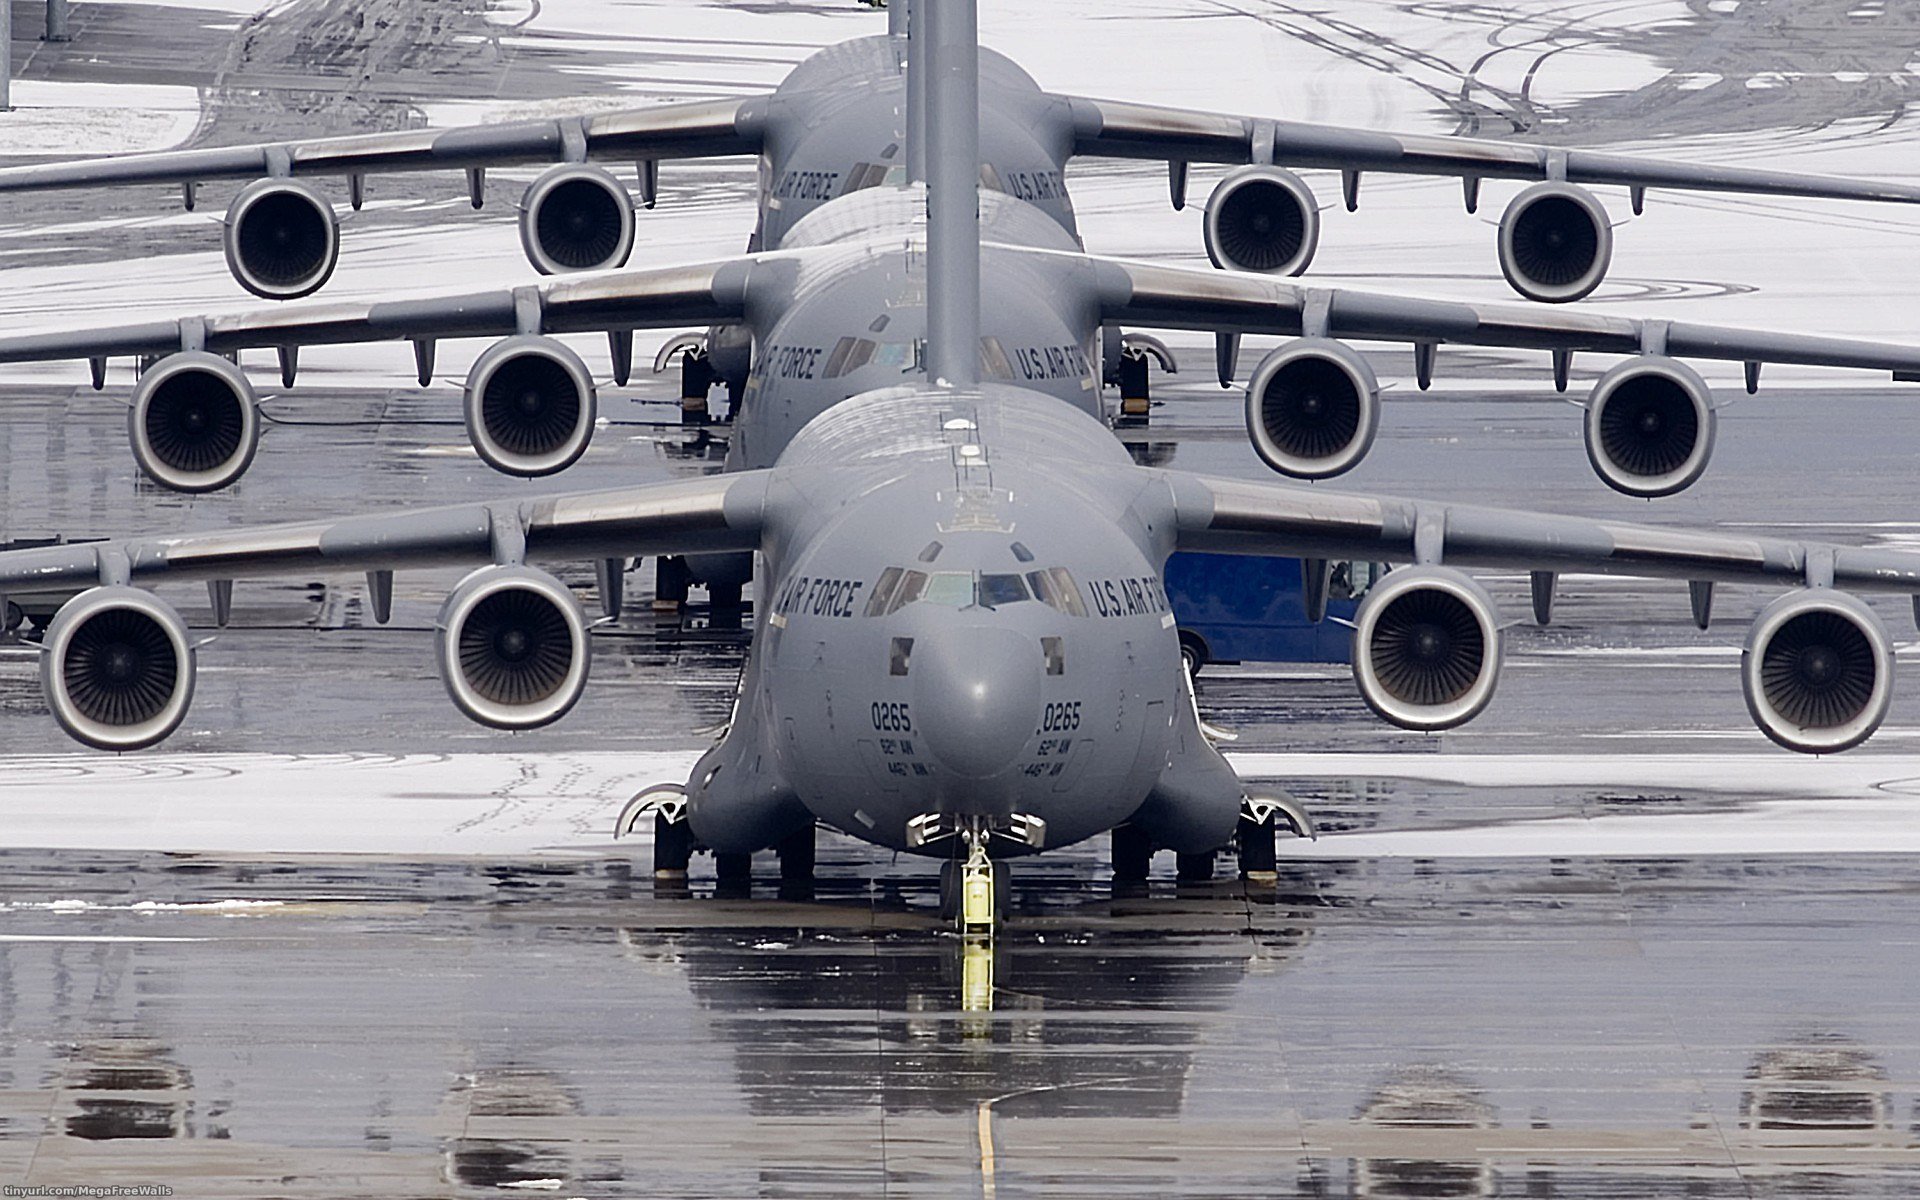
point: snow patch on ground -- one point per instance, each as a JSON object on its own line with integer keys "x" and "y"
{"x": 52, "y": 117}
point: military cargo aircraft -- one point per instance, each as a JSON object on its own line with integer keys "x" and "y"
{"x": 843, "y": 120}
{"x": 964, "y": 650}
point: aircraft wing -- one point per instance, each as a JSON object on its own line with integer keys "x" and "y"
{"x": 1234, "y": 516}
{"x": 695, "y": 130}
{"x": 712, "y": 513}
{"x": 1136, "y": 293}
{"x": 611, "y": 300}
{"x": 1119, "y": 129}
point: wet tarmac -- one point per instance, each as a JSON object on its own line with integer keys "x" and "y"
{"x": 1419, "y": 1023}
{"x": 1685, "y": 1027}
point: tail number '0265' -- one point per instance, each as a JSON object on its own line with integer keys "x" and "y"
{"x": 892, "y": 718}
{"x": 1061, "y": 718}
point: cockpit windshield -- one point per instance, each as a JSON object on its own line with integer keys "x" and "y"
{"x": 898, "y": 587}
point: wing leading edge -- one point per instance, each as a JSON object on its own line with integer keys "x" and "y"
{"x": 1232, "y": 516}
{"x": 698, "y": 130}
{"x": 1122, "y": 129}
{"x": 1138, "y": 293}
{"x": 712, "y": 513}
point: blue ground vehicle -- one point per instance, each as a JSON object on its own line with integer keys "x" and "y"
{"x": 1236, "y": 608}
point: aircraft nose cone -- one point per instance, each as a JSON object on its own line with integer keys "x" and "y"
{"x": 976, "y": 697}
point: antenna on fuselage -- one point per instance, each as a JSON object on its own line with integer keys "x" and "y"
{"x": 953, "y": 190}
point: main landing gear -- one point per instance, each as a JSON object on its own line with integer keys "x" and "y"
{"x": 673, "y": 847}
{"x": 1260, "y": 818}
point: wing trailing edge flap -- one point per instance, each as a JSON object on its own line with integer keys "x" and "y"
{"x": 1248, "y": 517}
{"x": 712, "y": 513}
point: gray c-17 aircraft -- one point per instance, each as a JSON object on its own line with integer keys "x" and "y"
{"x": 964, "y": 649}
{"x": 844, "y": 120}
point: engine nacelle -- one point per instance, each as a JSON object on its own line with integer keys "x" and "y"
{"x": 193, "y": 425}
{"x": 576, "y": 217}
{"x": 1555, "y": 243}
{"x": 1650, "y": 426}
{"x": 511, "y": 644}
{"x": 1313, "y": 407}
{"x": 530, "y": 406}
{"x": 1426, "y": 648}
{"x": 1817, "y": 671}
{"x": 282, "y": 239}
{"x": 117, "y": 668}
{"x": 1262, "y": 219}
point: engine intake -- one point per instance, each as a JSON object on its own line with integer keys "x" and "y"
{"x": 282, "y": 239}
{"x": 1426, "y": 648}
{"x": 117, "y": 668}
{"x": 1555, "y": 243}
{"x": 530, "y": 406}
{"x": 1817, "y": 671}
{"x": 1262, "y": 219}
{"x": 511, "y": 643}
{"x": 1313, "y": 407}
{"x": 576, "y": 217}
{"x": 1650, "y": 426}
{"x": 193, "y": 425}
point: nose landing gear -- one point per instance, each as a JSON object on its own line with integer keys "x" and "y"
{"x": 973, "y": 887}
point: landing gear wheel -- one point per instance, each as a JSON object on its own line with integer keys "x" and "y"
{"x": 733, "y": 874}
{"x": 1258, "y": 861}
{"x": 1193, "y": 653}
{"x": 1132, "y": 856}
{"x": 15, "y": 615}
{"x": 672, "y": 848}
{"x": 1196, "y": 868}
{"x": 670, "y": 582}
{"x": 950, "y": 890}
{"x": 796, "y": 852}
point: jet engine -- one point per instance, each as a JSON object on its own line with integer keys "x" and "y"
{"x": 576, "y": 217}
{"x": 1650, "y": 425}
{"x": 1262, "y": 219}
{"x": 1817, "y": 671}
{"x": 530, "y": 406}
{"x": 1426, "y": 648}
{"x": 193, "y": 424}
{"x": 1555, "y": 242}
{"x": 117, "y": 668}
{"x": 282, "y": 239}
{"x": 1313, "y": 406}
{"x": 511, "y": 644}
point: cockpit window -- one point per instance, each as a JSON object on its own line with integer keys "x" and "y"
{"x": 849, "y": 354}
{"x": 912, "y": 585}
{"x": 882, "y": 596}
{"x": 1055, "y": 588}
{"x": 953, "y": 589}
{"x": 995, "y": 590}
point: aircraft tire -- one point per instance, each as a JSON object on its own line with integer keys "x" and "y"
{"x": 1257, "y": 854}
{"x": 796, "y": 852}
{"x": 950, "y": 890}
{"x": 733, "y": 874}
{"x": 1132, "y": 854}
{"x": 1195, "y": 868}
{"x": 672, "y": 847}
